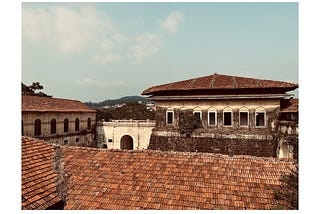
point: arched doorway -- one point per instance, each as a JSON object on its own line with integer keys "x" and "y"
{"x": 126, "y": 142}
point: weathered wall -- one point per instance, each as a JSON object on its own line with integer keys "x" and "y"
{"x": 83, "y": 136}
{"x": 234, "y": 140}
{"x": 256, "y": 145}
{"x": 287, "y": 137}
{"x": 110, "y": 133}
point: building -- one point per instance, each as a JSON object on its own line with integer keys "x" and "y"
{"x": 95, "y": 178}
{"x": 219, "y": 113}
{"x": 60, "y": 121}
{"x": 124, "y": 134}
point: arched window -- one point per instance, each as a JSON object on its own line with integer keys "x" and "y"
{"x": 89, "y": 123}
{"x": 37, "y": 127}
{"x": 212, "y": 117}
{"x": 53, "y": 126}
{"x": 227, "y": 117}
{"x": 77, "y": 126}
{"x": 66, "y": 125}
{"x": 260, "y": 117}
{"x": 243, "y": 117}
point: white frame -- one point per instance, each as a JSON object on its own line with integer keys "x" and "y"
{"x": 227, "y": 110}
{"x": 215, "y": 118}
{"x": 260, "y": 110}
{"x": 244, "y": 110}
{"x": 171, "y": 111}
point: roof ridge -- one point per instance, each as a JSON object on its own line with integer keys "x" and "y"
{"x": 213, "y": 80}
{"x": 191, "y": 82}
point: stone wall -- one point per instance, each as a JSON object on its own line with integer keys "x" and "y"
{"x": 256, "y": 145}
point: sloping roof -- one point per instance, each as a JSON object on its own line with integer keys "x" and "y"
{"x": 38, "y": 176}
{"x": 291, "y": 105}
{"x": 115, "y": 179}
{"x": 48, "y": 104}
{"x": 218, "y": 81}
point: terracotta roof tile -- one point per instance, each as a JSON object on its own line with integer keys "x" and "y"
{"x": 169, "y": 180}
{"x": 48, "y": 104}
{"x": 38, "y": 176}
{"x": 218, "y": 81}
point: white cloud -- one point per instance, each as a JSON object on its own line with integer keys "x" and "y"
{"x": 146, "y": 44}
{"x": 65, "y": 29}
{"x": 96, "y": 83}
{"x": 172, "y": 22}
{"x": 107, "y": 58}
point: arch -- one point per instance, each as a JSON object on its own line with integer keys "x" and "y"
{"x": 77, "y": 125}
{"x": 66, "y": 125}
{"x": 260, "y": 117}
{"x": 37, "y": 127}
{"x": 243, "y": 117}
{"x": 227, "y": 117}
{"x": 126, "y": 142}
{"x": 212, "y": 116}
{"x": 53, "y": 126}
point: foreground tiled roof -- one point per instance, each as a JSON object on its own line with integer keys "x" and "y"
{"x": 218, "y": 81}
{"x": 291, "y": 105}
{"x": 48, "y": 104}
{"x": 114, "y": 179}
{"x": 38, "y": 176}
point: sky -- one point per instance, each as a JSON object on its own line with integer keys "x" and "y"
{"x": 98, "y": 51}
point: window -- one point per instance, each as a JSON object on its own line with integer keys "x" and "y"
{"x": 260, "y": 117}
{"x": 77, "y": 139}
{"x": 76, "y": 125}
{"x": 66, "y": 125}
{"x": 227, "y": 117}
{"x": 109, "y": 140}
{"x": 37, "y": 127}
{"x": 53, "y": 126}
{"x": 65, "y": 142}
{"x": 89, "y": 123}
{"x": 169, "y": 118}
{"x": 212, "y": 118}
{"x": 244, "y": 117}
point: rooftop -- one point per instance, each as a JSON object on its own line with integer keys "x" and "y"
{"x": 48, "y": 104}
{"x": 218, "y": 81}
{"x": 122, "y": 179}
{"x": 38, "y": 176}
{"x": 288, "y": 106}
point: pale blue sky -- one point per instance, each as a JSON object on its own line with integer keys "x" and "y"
{"x": 93, "y": 52}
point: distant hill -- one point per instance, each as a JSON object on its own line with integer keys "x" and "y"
{"x": 127, "y": 99}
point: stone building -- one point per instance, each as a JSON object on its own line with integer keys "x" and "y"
{"x": 220, "y": 114}
{"x": 124, "y": 134}
{"x": 60, "y": 121}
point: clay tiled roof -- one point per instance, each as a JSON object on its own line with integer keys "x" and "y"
{"x": 114, "y": 179}
{"x": 218, "y": 81}
{"x": 291, "y": 105}
{"x": 38, "y": 176}
{"x": 48, "y": 104}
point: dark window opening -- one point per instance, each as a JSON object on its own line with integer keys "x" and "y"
{"x": 244, "y": 119}
{"x": 212, "y": 118}
{"x": 169, "y": 117}
{"x": 66, "y": 125}
{"x": 105, "y": 146}
{"x": 89, "y": 123}
{"x": 37, "y": 127}
{"x": 53, "y": 127}
{"x": 77, "y": 139}
{"x": 77, "y": 125}
{"x": 260, "y": 119}
{"x": 109, "y": 140}
{"x": 65, "y": 142}
{"x": 227, "y": 118}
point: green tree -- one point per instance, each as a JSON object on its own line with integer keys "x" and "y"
{"x": 31, "y": 90}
